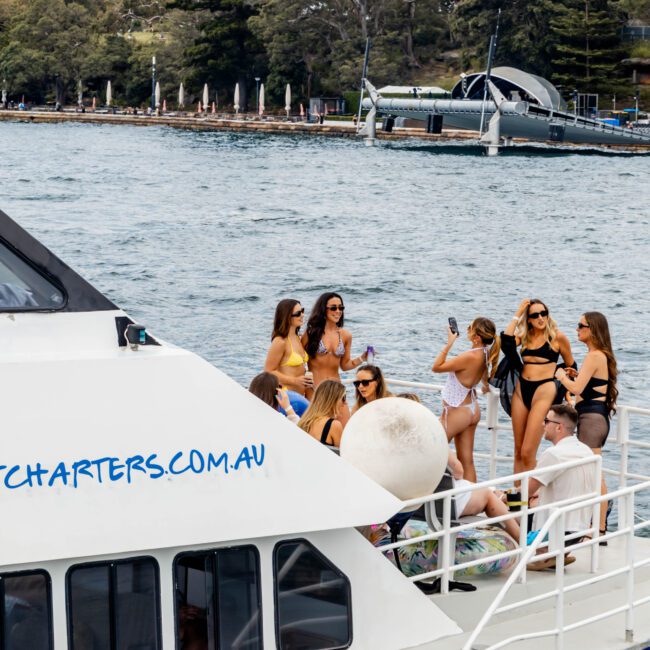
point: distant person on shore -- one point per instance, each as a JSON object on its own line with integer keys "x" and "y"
{"x": 369, "y": 385}
{"x": 460, "y": 409}
{"x": 542, "y": 343}
{"x": 286, "y": 357}
{"x": 266, "y": 387}
{"x": 327, "y": 343}
{"x": 594, "y": 387}
{"x": 322, "y": 418}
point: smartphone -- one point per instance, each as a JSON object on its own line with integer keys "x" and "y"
{"x": 453, "y": 325}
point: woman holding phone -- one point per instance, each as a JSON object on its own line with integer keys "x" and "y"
{"x": 286, "y": 357}
{"x": 594, "y": 386}
{"x": 460, "y": 409}
{"x": 541, "y": 344}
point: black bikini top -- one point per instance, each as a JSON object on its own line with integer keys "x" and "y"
{"x": 544, "y": 352}
{"x": 589, "y": 394}
{"x": 326, "y": 430}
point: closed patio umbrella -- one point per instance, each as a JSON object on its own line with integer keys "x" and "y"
{"x": 157, "y": 94}
{"x": 206, "y": 98}
{"x": 181, "y": 96}
{"x": 287, "y": 99}
{"x": 261, "y": 106}
{"x": 109, "y": 94}
{"x": 236, "y": 105}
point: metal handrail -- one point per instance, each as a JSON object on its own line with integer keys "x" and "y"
{"x": 555, "y": 526}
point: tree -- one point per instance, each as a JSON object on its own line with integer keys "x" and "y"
{"x": 587, "y": 49}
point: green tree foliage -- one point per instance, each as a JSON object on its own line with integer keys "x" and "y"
{"x": 587, "y": 49}
{"x": 226, "y": 51}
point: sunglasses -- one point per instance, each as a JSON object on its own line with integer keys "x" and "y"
{"x": 538, "y": 314}
{"x": 298, "y": 313}
{"x": 546, "y": 421}
{"x": 340, "y": 308}
{"x": 363, "y": 382}
{"x": 581, "y": 326}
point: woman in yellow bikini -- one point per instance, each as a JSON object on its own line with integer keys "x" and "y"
{"x": 286, "y": 357}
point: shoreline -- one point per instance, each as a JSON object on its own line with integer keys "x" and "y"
{"x": 270, "y": 125}
{"x": 226, "y": 123}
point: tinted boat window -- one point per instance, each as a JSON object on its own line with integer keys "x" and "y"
{"x": 25, "y": 618}
{"x": 218, "y": 601}
{"x": 313, "y": 603}
{"x": 114, "y": 606}
{"x": 22, "y": 288}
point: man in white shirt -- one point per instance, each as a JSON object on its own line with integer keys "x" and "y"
{"x": 561, "y": 484}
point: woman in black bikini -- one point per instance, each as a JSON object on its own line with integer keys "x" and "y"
{"x": 594, "y": 387}
{"x": 541, "y": 345}
{"x": 321, "y": 419}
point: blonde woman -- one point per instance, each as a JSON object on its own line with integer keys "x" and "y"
{"x": 541, "y": 344}
{"x": 460, "y": 409}
{"x": 320, "y": 420}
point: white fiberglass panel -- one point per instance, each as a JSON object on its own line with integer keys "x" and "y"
{"x": 157, "y": 448}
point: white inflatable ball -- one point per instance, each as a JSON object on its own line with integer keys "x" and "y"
{"x": 399, "y": 444}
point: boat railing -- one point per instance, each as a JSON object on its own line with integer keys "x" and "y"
{"x": 446, "y": 564}
{"x": 554, "y": 528}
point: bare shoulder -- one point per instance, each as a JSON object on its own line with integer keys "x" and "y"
{"x": 562, "y": 339}
{"x": 278, "y": 342}
{"x": 346, "y": 335}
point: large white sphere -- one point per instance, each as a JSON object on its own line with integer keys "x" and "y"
{"x": 398, "y": 443}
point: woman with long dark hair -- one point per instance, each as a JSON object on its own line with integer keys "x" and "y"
{"x": 461, "y": 412}
{"x": 321, "y": 420}
{"x": 327, "y": 343}
{"x": 286, "y": 357}
{"x": 266, "y": 387}
{"x": 594, "y": 386}
{"x": 369, "y": 386}
{"x": 542, "y": 343}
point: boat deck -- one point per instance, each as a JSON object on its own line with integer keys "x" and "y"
{"x": 467, "y": 608}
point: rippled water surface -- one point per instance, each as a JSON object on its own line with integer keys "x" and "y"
{"x": 198, "y": 235}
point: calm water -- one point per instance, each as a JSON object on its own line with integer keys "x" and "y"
{"x": 198, "y": 235}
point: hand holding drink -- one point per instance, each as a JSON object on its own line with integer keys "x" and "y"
{"x": 309, "y": 377}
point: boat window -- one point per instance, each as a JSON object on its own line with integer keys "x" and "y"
{"x": 312, "y": 596}
{"x": 26, "y": 614}
{"x": 218, "y": 599}
{"x": 114, "y": 605}
{"x": 22, "y": 288}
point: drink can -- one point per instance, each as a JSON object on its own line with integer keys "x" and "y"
{"x": 370, "y": 352}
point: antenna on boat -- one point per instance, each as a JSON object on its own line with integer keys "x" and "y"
{"x": 488, "y": 72}
{"x": 363, "y": 82}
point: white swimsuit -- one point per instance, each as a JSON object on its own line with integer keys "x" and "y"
{"x": 454, "y": 393}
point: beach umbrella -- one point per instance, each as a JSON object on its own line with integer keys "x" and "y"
{"x": 261, "y": 106}
{"x": 302, "y": 110}
{"x": 181, "y": 96}
{"x": 206, "y": 97}
{"x": 80, "y": 93}
{"x": 214, "y": 108}
{"x": 157, "y": 94}
{"x": 109, "y": 94}
{"x": 287, "y": 99}
{"x": 198, "y": 108}
{"x": 236, "y": 106}
{"x": 94, "y": 102}
{"x": 4, "y": 95}
{"x": 164, "y": 107}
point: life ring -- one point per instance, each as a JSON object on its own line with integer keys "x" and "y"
{"x": 471, "y": 544}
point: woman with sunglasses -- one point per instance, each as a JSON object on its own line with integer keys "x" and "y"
{"x": 461, "y": 413}
{"x": 541, "y": 343}
{"x": 321, "y": 420}
{"x": 327, "y": 343}
{"x": 369, "y": 386}
{"x": 286, "y": 357}
{"x": 594, "y": 386}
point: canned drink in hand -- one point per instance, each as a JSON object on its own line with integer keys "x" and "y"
{"x": 370, "y": 355}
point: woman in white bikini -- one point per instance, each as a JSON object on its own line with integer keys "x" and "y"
{"x": 460, "y": 412}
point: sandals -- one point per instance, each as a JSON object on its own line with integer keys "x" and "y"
{"x": 603, "y": 532}
{"x": 549, "y": 563}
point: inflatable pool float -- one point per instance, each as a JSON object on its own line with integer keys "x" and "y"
{"x": 471, "y": 544}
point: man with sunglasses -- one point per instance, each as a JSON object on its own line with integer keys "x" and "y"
{"x": 552, "y": 486}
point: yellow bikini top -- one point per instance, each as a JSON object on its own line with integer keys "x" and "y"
{"x": 295, "y": 359}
